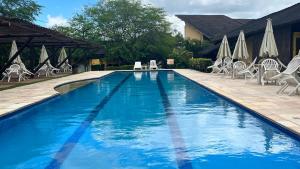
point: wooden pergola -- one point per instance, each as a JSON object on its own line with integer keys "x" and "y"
{"x": 29, "y": 35}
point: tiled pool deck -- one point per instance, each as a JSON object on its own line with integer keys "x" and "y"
{"x": 281, "y": 109}
{"x": 16, "y": 98}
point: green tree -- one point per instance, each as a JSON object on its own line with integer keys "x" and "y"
{"x": 128, "y": 30}
{"x": 23, "y": 9}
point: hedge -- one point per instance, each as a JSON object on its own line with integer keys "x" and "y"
{"x": 200, "y": 64}
{"x": 123, "y": 67}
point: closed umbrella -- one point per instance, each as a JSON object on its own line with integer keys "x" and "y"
{"x": 224, "y": 50}
{"x": 62, "y": 56}
{"x": 268, "y": 47}
{"x": 13, "y": 51}
{"x": 240, "y": 50}
{"x": 44, "y": 56}
{"x": 17, "y": 60}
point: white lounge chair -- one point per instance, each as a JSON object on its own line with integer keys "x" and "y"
{"x": 216, "y": 67}
{"x": 238, "y": 67}
{"x": 65, "y": 67}
{"x": 153, "y": 65}
{"x": 289, "y": 76}
{"x": 137, "y": 66}
{"x": 14, "y": 71}
{"x": 226, "y": 66}
{"x": 52, "y": 69}
{"x": 43, "y": 71}
{"x": 270, "y": 68}
{"x": 25, "y": 71}
{"x": 251, "y": 70}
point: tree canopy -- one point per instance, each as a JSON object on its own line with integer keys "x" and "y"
{"x": 23, "y": 9}
{"x": 128, "y": 30}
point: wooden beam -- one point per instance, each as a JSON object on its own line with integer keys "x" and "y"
{"x": 8, "y": 63}
{"x": 23, "y": 35}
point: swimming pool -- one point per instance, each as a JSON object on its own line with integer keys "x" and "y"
{"x": 143, "y": 120}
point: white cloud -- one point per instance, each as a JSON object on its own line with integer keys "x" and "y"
{"x": 177, "y": 24}
{"x": 56, "y": 21}
{"x": 233, "y": 8}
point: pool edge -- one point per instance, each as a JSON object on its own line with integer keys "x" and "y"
{"x": 293, "y": 133}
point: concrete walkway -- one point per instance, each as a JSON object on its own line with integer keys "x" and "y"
{"x": 16, "y": 98}
{"x": 281, "y": 109}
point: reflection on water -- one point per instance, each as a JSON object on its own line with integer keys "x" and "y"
{"x": 171, "y": 76}
{"x": 138, "y": 75}
{"x": 153, "y": 75}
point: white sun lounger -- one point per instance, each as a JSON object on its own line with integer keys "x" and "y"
{"x": 216, "y": 67}
{"x": 137, "y": 66}
{"x": 251, "y": 70}
{"x": 289, "y": 77}
{"x": 227, "y": 66}
{"x": 153, "y": 65}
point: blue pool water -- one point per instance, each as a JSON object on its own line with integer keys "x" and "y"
{"x": 143, "y": 120}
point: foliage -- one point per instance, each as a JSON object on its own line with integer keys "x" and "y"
{"x": 196, "y": 46}
{"x": 123, "y": 67}
{"x": 200, "y": 64}
{"x": 23, "y": 9}
{"x": 127, "y": 29}
{"x": 181, "y": 57}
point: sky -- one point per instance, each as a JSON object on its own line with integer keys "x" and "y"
{"x": 60, "y": 11}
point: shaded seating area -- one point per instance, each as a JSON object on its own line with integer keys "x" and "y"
{"x": 37, "y": 51}
{"x": 267, "y": 68}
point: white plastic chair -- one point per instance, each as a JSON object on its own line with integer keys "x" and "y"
{"x": 137, "y": 66}
{"x": 153, "y": 65}
{"x": 251, "y": 70}
{"x": 44, "y": 70}
{"x": 226, "y": 66}
{"x": 270, "y": 68}
{"x": 14, "y": 71}
{"x": 52, "y": 69}
{"x": 238, "y": 67}
{"x": 65, "y": 67}
{"x": 216, "y": 67}
{"x": 289, "y": 76}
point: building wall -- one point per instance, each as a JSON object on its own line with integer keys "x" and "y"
{"x": 283, "y": 37}
{"x": 192, "y": 33}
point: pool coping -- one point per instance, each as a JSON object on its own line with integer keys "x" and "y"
{"x": 48, "y": 94}
{"x": 279, "y": 122}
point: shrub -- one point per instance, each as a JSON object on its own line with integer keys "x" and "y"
{"x": 200, "y": 64}
{"x": 181, "y": 57}
{"x": 122, "y": 67}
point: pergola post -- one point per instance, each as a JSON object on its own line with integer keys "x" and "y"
{"x": 8, "y": 63}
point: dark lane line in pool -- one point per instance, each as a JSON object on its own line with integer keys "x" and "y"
{"x": 183, "y": 161}
{"x": 71, "y": 142}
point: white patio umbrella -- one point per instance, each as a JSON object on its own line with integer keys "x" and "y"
{"x": 17, "y": 60}
{"x": 62, "y": 56}
{"x": 44, "y": 56}
{"x": 13, "y": 51}
{"x": 224, "y": 50}
{"x": 268, "y": 46}
{"x": 240, "y": 51}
